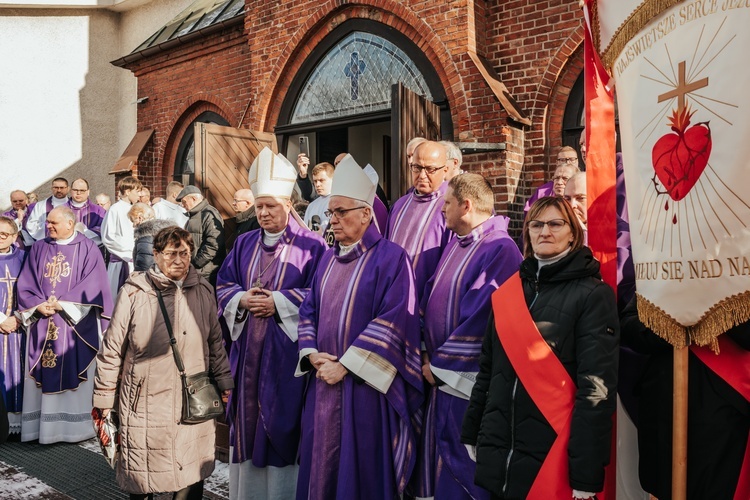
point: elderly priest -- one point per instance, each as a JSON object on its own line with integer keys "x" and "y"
{"x": 65, "y": 303}
{"x": 359, "y": 331}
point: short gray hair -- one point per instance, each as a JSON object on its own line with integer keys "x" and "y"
{"x": 452, "y": 151}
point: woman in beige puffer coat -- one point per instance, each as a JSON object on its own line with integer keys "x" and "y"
{"x": 159, "y": 453}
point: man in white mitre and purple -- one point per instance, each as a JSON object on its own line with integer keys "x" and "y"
{"x": 12, "y": 336}
{"x": 260, "y": 287}
{"x": 416, "y": 222}
{"x": 89, "y": 216}
{"x": 65, "y": 304}
{"x": 456, "y": 308}
{"x": 359, "y": 334}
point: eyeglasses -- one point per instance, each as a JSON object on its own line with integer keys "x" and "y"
{"x": 564, "y": 178}
{"x": 428, "y": 170}
{"x": 567, "y": 161}
{"x": 7, "y": 235}
{"x": 340, "y": 212}
{"x": 536, "y": 226}
{"x": 56, "y": 188}
{"x": 183, "y": 255}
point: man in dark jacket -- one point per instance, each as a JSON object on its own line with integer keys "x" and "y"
{"x": 245, "y": 220}
{"x": 207, "y": 228}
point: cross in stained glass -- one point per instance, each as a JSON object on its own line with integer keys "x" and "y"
{"x": 352, "y": 71}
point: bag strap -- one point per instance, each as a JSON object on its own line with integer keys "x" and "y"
{"x": 172, "y": 341}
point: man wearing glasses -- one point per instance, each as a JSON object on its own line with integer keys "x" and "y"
{"x": 567, "y": 167}
{"x": 359, "y": 335}
{"x": 89, "y": 216}
{"x": 36, "y": 222}
{"x": 416, "y": 222}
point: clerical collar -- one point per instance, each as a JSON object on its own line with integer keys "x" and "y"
{"x": 345, "y": 249}
{"x": 77, "y": 204}
{"x": 66, "y": 240}
{"x": 270, "y": 239}
{"x": 56, "y": 202}
{"x": 440, "y": 191}
{"x": 7, "y": 251}
{"x": 551, "y": 260}
{"x": 494, "y": 223}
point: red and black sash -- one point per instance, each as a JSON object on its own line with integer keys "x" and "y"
{"x": 732, "y": 365}
{"x": 543, "y": 377}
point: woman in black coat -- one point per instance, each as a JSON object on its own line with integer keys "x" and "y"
{"x": 520, "y": 387}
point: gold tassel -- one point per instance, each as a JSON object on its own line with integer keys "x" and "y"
{"x": 635, "y": 22}
{"x": 721, "y": 317}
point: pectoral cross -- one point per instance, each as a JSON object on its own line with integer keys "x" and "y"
{"x": 683, "y": 88}
{"x": 257, "y": 283}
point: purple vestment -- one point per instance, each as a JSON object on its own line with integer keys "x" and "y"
{"x": 90, "y": 214}
{"x": 546, "y": 189}
{"x": 60, "y": 353}
{"x": 380, "y": 214}
{"x": 266, "y": 404}
{"x": 456, "y": 308}
{"x": 13, "y": 214}
{"x": 417, "y": 225}
{"x": 13, "y": 345}
{"x": 358, "y": 442}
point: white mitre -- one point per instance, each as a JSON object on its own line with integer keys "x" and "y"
{"x": 272, "y": 175}
{"x": 351, "y": 181}
{"x": 372, "y": 174}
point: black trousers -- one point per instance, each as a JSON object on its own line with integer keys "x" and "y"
{"x": 192, "y": 492}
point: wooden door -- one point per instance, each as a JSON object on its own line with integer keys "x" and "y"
{"x": 223, "y": 156}
{"x": 411, "y": 116}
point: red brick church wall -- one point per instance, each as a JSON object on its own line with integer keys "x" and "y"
{"x": 534, "y": 45}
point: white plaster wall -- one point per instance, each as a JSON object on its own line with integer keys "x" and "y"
{"x": 66, "y": 111}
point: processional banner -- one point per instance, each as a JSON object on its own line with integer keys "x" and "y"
{"x": 681, "y": 74}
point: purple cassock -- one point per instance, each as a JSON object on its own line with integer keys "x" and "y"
{"x": 13, "y": 345}
{"x": 546, "y": 189}
{"x": 13, "y": 214}
{"x": 417, "y": 225}
{"x": 90, "y": 214}
{"x": 456, "y": 308}
{"x": 358, "y": 438}
{"x": 265, "y": 406}
{"x": 59, "y": 354}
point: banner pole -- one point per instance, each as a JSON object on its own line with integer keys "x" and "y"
{"x": 679, "y": 423}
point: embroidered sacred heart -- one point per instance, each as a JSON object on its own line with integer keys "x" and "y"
{"x": 679, "y": 158}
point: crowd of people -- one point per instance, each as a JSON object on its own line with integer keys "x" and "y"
{"x": 364, "y": 350}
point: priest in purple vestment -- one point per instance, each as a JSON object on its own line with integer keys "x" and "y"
{"x": 37, "y": 218}
{"x": 455, "y": 309}
{"x": 359, "y": 332}
{"x": 65, "y": 304}
{"x": 89, "y": 216}
{"x": 416, "y": 222}
{"x": 12, "y": 336}
{"x": 260, "y": 287}
{"x": 19, "y": 212}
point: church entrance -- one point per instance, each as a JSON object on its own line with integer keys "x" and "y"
{"x": 366, "y": 90}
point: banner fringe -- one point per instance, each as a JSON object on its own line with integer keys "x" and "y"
{"x": 635, "y": 22}
{"x": 722, "y": 316}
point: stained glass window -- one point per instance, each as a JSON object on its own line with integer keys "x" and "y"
{"x": 355, "y": 77}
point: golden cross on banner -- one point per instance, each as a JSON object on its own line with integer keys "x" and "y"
{"x": 683, "y": 88}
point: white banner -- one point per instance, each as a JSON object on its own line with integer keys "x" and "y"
{"x": 682, "y": 80}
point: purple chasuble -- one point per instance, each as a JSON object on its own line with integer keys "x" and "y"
{"x": 417, "y": 225}
{"x": 13, "y": 345}
{"x": 546, "y": 189}
{"x": 60, "y": 353}
{"x": 456, "y": 309}
{"x": 13, "y": 214}
{"x": 356, "y": 441}
{"x": 265, "y": 407}
{"x": 380, "y": 214}
{"x": 90, "y": 214}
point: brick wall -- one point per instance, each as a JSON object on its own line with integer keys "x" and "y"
{"x": 534, "y": 45}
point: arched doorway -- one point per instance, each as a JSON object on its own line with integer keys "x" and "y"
{"x": 341, "y": 98}
{"x": 184, "y": 168}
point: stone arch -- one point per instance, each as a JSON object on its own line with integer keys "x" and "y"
{"x": 328, "y": 16}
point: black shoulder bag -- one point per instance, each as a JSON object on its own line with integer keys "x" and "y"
{"x": 201, "y": 399}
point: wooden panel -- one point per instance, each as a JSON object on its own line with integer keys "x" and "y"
{"x": 223, "y": 156}
{"x": 129, "y": 157}
{"x": 412, "y": 116}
